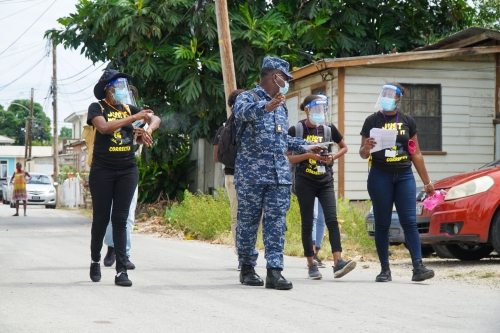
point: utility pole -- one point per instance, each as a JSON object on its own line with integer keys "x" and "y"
{"x": 54, "y": 105}
{"x": 26, "y": 143}
{"x": 30, "y": 135}
{"x": 226, "y": 49}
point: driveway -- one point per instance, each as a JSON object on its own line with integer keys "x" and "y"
{"x": 189, "y": 286}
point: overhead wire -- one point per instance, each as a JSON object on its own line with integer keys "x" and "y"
{"x": 22, "y": 10}
{"x": 23, "y": 74}
{"x": 28, "y": 27}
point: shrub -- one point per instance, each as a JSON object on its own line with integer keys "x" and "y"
{"x": 206, "y": 217}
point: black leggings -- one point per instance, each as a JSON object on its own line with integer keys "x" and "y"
{"x": 117, "y": 187}
{"x": 306, "y": 193}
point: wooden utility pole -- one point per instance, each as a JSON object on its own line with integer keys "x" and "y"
{"x": 30, "y": 135}
{"x": 26, "y": 130}
{"x": 54, "y": 105}
{"x": 226, "y": 49}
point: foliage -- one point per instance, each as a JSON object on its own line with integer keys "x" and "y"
{"x": 167, "y": 179}
{"x": 209, "y": 218}
{"x": 487, "y": 14}
{"x": 13, "y": 123}
{"x": 66, "y": 133}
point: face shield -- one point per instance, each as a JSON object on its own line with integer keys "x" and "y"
{"x": 387, "y": 98}
{"x": 317, "y": 111}
{"x": 120, "y": 91}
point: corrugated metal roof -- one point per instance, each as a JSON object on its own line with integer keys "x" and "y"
{"x": 457, "y": 37}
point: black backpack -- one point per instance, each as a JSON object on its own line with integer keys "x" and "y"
{"x": 229, "y": 140}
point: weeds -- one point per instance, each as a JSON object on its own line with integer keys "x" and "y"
{"x": 204, "y": 217}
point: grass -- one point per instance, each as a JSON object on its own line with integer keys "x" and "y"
{"x": 208, "y": 218}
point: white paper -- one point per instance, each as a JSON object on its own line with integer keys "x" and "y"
{"x": 385, "y": 138}
{"x": 320, "y": 144}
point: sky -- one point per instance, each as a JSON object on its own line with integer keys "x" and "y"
{"x": 20, "y": 51}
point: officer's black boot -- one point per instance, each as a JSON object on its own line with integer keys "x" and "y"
{"x": 249, "y": 277}
{"x": 385, "y": 274}
{"x": 420, "y": 272}
{"x": 275, "y": 280}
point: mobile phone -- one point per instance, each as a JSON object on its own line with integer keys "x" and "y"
{"x": 139, "y": 124}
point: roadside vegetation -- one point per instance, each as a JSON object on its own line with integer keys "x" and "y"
{"x": 208, "y": 218}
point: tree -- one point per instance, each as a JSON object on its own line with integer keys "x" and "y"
{"x": 66, "y": 133}
{"x": 172, "y": 48}
{"x": 13, "y": 123}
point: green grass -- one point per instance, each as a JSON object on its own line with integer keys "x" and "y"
{"x": 202, "y": 217}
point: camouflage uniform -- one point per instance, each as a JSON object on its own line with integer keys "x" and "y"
{"x": 262, "y": 175}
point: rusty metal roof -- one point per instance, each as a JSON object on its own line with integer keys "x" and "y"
{"x": 464, "y": 38}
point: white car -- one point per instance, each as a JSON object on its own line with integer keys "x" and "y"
{"x": 40, "y": 188}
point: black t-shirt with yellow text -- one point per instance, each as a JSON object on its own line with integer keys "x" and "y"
{"x": 407, "y": 128}
{"x": 115, "y": 150}
{"x": 308, "y": 170}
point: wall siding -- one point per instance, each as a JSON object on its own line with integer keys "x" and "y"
{"x": 468, "y": 94}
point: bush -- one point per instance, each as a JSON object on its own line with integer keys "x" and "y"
{"x": 204, "y": 217}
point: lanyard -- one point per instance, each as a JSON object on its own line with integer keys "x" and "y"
{"x": 397, "y": 114}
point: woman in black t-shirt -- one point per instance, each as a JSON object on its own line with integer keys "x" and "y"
{"x": 391, "y": 181}
{"x": 314, "y": 179}
{"x": 113, "y": 175}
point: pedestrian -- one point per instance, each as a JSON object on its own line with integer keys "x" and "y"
{"x": 314, "y": 179}
{"x": 391, "y": 181}
{"x": 229, "y": 173}
{"x": 19, "y": 189}
{"x": 113, "y": 174}
{"x": 109, "y": 258}
{"x": 318, "y": 232}
{"x": 262, "y": 176}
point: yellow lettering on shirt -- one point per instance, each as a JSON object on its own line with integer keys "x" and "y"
{"x": 393, "y": 127}
{"x": 117, "y": 149}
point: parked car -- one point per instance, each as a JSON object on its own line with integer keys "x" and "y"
{"x": 40, "y": 188}
{"x": 2, "y": 182}
{"x": 467, "y": 222}
{"x": 396, "y": 233}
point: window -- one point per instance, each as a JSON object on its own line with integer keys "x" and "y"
{"x": 3, "y": 169}
{"x": 423, "y": 103}
{"x": 318, "y": 89}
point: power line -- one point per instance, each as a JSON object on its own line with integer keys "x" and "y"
{"x": 22, "y": 10}
{"x": 26, "y": 72}
{"x": 28, "y": 28}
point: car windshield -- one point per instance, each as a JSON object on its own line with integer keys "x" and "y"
{"x": 491, "y": 164}
{"x": 39, "y": 179}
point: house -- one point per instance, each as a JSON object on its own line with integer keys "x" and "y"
{"x": 75, "y": 152}
{"x": 78, "y": 119}
{"x": 10, "y": 155}
{"x": 5, "y": 141}
{"x": 454, "y": 88}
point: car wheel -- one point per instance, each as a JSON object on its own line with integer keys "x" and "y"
{"x": 12, "y": 204}
{"x": 495, "y": 232}
{"x": 468, "y": 252}
{"x": 427, "y": 250}
{"x": 442, "y": 251}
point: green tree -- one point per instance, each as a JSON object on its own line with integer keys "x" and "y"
{"x": 66, "y": 133}
{"x": 13, "y": 123}
{"x": 172, "y": 48}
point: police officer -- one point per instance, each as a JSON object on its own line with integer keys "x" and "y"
{"x": 262, "y": 175}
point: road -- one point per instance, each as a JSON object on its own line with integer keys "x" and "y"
{"x": 190, "y": 286}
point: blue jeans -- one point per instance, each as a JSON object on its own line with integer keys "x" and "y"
{"x": 108, "y": 237}
{"x": 386, "y": 188}
{"x": 318, "y": 225}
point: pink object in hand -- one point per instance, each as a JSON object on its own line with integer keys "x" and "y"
{"x": 412, "y": 147}
{"x": 432, "y": 201}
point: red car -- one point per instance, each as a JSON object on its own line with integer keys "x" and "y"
{"x": 467, "y": 222}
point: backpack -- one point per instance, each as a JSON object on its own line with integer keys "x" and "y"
{"x": 229, "y": 140}
{"x": 88, "y": 135}
{"x": 299, "y": 133}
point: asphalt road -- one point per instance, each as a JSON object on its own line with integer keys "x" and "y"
{"x": 189, "y": 286}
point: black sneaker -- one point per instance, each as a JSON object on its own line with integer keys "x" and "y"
{"x": 314, "y": 273}
{"x": 421, "y": 273}
{"x": 318, "y": 261}
{"x": 385, "y": 274}
{"x": 274, "y": 280}
{"x": 343, "y": 267}
{"x": 249, "y": 277}
{"x": 129, "y": 264}
{"x": 95, "y": 272}
{"x": 121, "y": 279}
{"x": 109, "y": 259}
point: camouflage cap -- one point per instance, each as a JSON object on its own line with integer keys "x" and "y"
{"x": 282, "y": 65}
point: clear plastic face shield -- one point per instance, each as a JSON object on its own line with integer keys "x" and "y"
{"x": 318, "y": 111}
{"x": 119, "y": 90}
{"x": 389, "y": 98}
